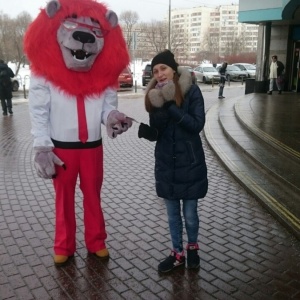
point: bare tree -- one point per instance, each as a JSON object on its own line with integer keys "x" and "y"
{"x": 180, "y": 43}
{"x": 155, "y": 36}
{"x": 210, "y": 46}
{"x": 11, "y": 37}
{"x": 128, "y": 19}
{"x": 151, "y": 38}
{"x": 6, "y": 32}
{"x": 233, "y": 44}
{"x": 215, "y": 43}
{"x": 21, "y": 23}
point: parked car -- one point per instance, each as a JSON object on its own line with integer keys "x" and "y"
{"x": 125, "y": 79}
{"x": 15, "y": 84}
{"x": 190, "y": 69}
{"x": 207, "y": 74}
{"x": 234, "y": 73}
{"x": 249, "y": 68}
{"x": 147, "y": 75}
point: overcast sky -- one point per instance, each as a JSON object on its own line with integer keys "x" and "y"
{"x": 147, "y": 9}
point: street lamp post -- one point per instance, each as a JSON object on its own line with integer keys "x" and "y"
{"x": 169, "y": 33}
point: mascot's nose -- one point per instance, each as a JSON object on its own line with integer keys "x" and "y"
{"x": 83, "y": 37}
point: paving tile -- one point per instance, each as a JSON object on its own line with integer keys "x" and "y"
{"x": 245, "y": 253}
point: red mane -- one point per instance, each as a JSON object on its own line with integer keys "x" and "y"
{"x": 44, "y": 54}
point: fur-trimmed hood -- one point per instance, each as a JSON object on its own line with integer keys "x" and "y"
{"x": 185, "y": 80}
{"x": 158, "y": 97}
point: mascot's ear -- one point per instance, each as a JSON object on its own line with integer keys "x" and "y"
{"x": 52, "y": 7}
{"x": 112, "y": 18}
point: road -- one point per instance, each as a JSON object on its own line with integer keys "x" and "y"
{"x": 205, "y": 88}
{"x": 210, "y": 93}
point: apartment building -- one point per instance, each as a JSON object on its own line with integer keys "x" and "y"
{"x": 191, "y": 27}
{"x": 204, "y": 29}
{"x": 234, "y": 36}
{"x": 214, "y": 30}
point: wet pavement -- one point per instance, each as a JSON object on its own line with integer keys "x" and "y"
{"x": 245, "y": 252}
{"x": 257, "y": 138}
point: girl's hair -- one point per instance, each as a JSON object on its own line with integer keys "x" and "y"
{"x": 178, "y": 94}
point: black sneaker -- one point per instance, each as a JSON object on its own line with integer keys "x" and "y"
{"x": 10, "y": 111}
{"x": 174, "y": 261}
{"x": 193, "y": 259}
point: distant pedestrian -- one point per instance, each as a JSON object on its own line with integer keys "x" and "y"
{"x": 177, "y": 116}
{"x": 222, "y": 72}
{"x": 6, "y": 74}
{"x": 276, "y": 74}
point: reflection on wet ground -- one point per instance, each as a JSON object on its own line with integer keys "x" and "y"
{"x": 245, "y": 252}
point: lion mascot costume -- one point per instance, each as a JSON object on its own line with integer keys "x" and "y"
{"x": 76, "y": 51}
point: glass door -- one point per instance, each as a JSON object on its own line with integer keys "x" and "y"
{"x": 295, "y": 79}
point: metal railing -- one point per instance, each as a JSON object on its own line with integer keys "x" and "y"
{"x": 26, "y": 77}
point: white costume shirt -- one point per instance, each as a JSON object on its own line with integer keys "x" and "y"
{"x": 54, "y": 113}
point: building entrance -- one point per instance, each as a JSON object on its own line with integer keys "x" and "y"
{"x": 295, "y": 79}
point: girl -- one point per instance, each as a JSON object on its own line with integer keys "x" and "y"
{"x": 177, "y": 116}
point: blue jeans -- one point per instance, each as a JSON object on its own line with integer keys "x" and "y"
{"x": 191, "y": 218}
{"x": 221, "y": 85}
{"x": 221, "y": 89}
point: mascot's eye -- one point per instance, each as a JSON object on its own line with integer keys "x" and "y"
{"x": 98, "y": 32}
{"x": 73, "y": 24}
{"x": 70, "y": 24}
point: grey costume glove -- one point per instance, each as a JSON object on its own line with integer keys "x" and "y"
{"x": 117, "y": 123}
{"x": 45, "y": 161}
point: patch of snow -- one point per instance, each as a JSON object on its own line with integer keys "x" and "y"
{"x": 23, "y": 74}
{"x": 137, "y": 66}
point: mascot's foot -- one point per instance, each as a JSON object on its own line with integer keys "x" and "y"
{"x": 61, "y": 260}
{"x": 102, "y": 254}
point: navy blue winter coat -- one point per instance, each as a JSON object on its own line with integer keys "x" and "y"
{"x": 180, "y": 168}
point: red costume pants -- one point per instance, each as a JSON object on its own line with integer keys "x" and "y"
{"x": 88, "y": 164}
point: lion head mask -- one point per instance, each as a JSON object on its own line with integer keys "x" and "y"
{"x": 77, "y": 45}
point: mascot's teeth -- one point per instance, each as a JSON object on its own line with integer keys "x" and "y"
{"x": 80, "y": 54}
